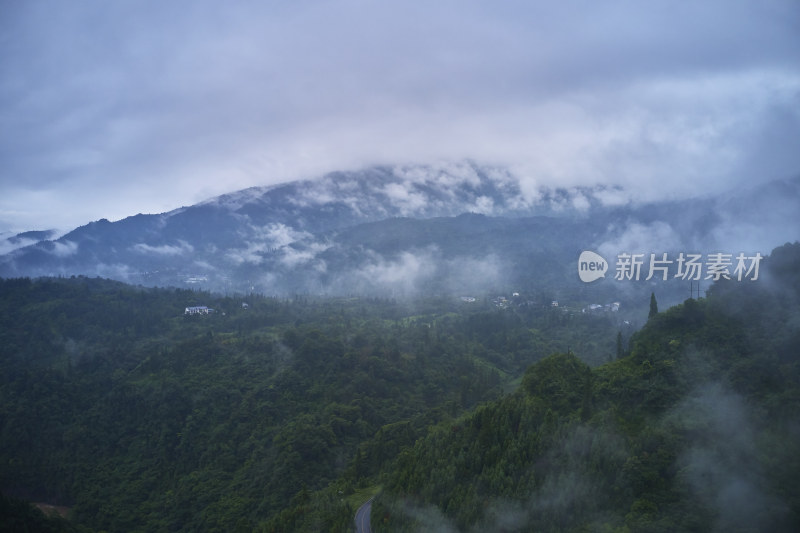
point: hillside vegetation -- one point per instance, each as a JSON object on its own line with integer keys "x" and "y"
{"x": 697, "y": 429}
{"x": 285, "y": 414}
{"x": 115, "y": 403}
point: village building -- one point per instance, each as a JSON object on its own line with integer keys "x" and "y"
{"x": 198, "y": 310}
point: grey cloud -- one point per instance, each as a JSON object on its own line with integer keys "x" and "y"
{"x": 428, "y": 518}
{"x": 722, "y": 464}
{"x": 64, "y": 249}
{"x": 402, "y": 276}
{"x": 275, "y": 238}
{"x": 280, "y": 234}
{"x": 412, "y": 271}
{"x": 148, "y": 106}
{"x": 181, "y": 248}
{"x": 406, "y": 274}
{"x": 10, "y": 242}
{"x": 116, "y": 271}
{"x": 657, "y": 237}
{"x": 252, "y": 254}
{"x": 291, "y": 257}
{"x": 569, "y": 489}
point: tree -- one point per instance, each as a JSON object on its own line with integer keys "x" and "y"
{"x": 653, "y": 305}
{"x": 620, "y": 350}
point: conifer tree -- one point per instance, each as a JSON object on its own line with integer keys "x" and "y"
{"x": 653, "y": 305}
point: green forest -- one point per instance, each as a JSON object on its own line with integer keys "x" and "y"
{"x": 265, "y": 414}
{"x": 696, "y": 429}
{"x": 286, "y": 414}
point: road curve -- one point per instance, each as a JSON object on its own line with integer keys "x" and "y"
{"x": 362, "y": 517}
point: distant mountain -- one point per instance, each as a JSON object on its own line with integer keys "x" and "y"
{"x": 21, "y": 240}
{"x": 400, "y": 231}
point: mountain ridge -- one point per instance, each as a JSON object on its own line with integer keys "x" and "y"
{"x": 272, "y": 238}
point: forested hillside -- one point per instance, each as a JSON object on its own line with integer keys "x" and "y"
{"x": 697, "y": 429}
{"x": 138, "y": 417}
{"x": 285, "y": 414}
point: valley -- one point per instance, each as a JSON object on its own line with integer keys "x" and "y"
{"x": 274, "y": 414}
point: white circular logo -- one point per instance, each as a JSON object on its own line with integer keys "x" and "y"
{"x": 591, "y": 266}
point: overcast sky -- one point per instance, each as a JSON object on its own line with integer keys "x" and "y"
{"x": 108, "y": 109}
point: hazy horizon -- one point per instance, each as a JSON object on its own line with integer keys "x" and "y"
{"x": 115, "y": 109}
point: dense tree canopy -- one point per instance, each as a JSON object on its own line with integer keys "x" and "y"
{"x": 285, "y": 415}
{"x": 695, "y": 430}
{"x": 138, "y": 417}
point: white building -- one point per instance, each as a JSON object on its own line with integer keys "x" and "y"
{"x": 198, "y": 310}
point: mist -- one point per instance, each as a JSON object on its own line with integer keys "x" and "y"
{"x": 722, "y": 461}
{"x": 194, "y": 101}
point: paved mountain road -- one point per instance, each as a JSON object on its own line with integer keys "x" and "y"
{"x": 362, "y": 517}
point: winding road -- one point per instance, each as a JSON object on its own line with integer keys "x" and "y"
{"x": 362, "y": 517}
